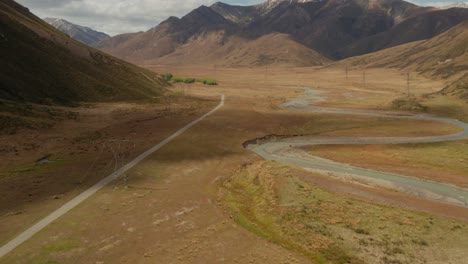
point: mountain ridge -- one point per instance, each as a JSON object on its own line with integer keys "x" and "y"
{"x": 83, "y": 34}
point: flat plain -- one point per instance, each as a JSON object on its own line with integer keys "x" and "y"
{"x": 203, "y": 198}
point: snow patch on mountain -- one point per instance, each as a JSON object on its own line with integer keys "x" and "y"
{"x": 83, "y": 34}
{"x": 269, "y": 5}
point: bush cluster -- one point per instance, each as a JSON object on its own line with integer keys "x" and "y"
{"x": 170, "y": 78}
{"x": 167, "y": 76}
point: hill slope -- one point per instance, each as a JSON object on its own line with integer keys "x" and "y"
{"x": 210, "y": 49}
{"x": 442, "y": 56}
{"x": 85, "y": 35}
{"x": 421, "y": 27}
{"x": 334, "y": 28}
{"x": 42, "y": 65}
{"x": 458, "y": 88}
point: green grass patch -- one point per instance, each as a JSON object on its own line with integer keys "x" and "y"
{"x": 207, "y": 81}
{"x": 170, "y": 78}
{"x": 167, "y": 76}
{"x": 182, "y": 80}
{"x": 48, "y": 262}
{"x": 61, "y": 247}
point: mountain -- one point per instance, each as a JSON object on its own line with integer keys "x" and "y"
{"x": 85, "y": 35}
{"x": 171, "y": 34}
{"x": 335, "y": 29}
{"x": 442, "y": 56}
{"x": 42, "y": 65}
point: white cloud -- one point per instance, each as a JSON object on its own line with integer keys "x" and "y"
{"x": 434, "y": 3}
{"x": 112, "y": 16}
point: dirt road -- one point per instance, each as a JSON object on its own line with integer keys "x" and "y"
{"x": 98, "y": 186}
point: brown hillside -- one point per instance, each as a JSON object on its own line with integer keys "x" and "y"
{"x": 458, "y": 88}
{"x": 42, "y": 65}
{"x": 420, "y": 27}
{"x": 116, "y": 40}
{"x": 274, "y": 49}
{"x": 444, "y": 56}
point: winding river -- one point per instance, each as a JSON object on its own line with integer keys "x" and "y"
{"x": 287, "y": 151}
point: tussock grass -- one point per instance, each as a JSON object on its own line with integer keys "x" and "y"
{"x": 447, "y": 161}
{"x": 60, "y": 247}
{"x": 15, "y": 116}
{"x": 267, "y": 199}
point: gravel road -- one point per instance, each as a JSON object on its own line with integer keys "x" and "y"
{"x": 8, "y": 247}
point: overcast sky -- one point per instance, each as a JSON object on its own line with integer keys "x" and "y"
{"x": 124, "y": 16}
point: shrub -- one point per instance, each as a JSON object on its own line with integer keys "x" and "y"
{"x": 210, "y": 82}
{"x": 183, "y": 80}
{"x": 167, "y": 76}
{"x": 192, "y": 80}
{"x": 189, "y": 80}
{"x": 361, "y": 231}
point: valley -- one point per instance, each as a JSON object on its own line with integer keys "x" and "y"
{"x": 188, "y": 184}
{"x": 286, "y": 131}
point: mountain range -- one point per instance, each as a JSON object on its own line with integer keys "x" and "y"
{"x": 85, "y": 35}
{"x": 305, "y": 32}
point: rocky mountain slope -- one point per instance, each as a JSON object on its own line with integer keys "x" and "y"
{"x": 85, "y": 35}
{"x": 444, "y": 55}
{"x": 42, "y": 65}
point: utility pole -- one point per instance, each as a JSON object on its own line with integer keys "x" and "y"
{"x": 346, "y": 72}
{"x": 266, "y": 73}
{"x": 408, "y": 82}
{"x": 364, "y": 78}
{"x": 118, "y": 156}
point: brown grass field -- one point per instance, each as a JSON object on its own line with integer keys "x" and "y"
{"x": 199, "y": 200}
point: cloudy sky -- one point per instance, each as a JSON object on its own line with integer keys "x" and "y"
{"x": 123, "y": 16}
